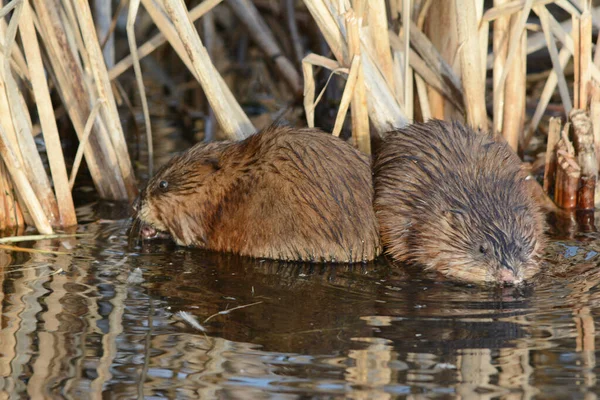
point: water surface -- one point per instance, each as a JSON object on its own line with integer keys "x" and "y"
{"x": 104, "y": 319}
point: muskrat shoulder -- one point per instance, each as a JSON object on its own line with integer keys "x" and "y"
{"x": 283, "y": 193}
{"x": 456, "y": 201}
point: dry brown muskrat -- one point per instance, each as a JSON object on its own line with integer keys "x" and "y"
{"x": 283, "y": 193}
{"x": 456, "y": 201}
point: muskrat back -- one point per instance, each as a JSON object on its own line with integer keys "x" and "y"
{"x": 456, "y": 201}
{"x": 283, "y": 193}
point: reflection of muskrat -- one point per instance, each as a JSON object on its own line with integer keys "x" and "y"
{"x": 456, "y": 201}
{"x": 283, "y": 193}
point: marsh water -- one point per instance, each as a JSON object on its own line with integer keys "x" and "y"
{"x": 99, "y": 316}
{"x": 103, "y": 318}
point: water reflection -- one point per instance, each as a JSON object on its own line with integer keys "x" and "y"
{"x": 74, "y": 325}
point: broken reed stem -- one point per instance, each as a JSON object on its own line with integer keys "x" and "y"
{"x": 247, "y": 13}
{"x": 567, "y": 173}
{"x": 551, "y": 160}
{"x": 133, "y": 9}
{"x": 47, "y": 118}
{"x": 583, "y": 138}
{"x": 231, "y": 118}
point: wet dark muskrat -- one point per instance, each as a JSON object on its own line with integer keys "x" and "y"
{"x": 454, "y": 200}
{"x": 283, "y": 193}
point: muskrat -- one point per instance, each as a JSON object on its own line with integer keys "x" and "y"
{"x": 456, "y": 201}
{"x": 283, "y": 193}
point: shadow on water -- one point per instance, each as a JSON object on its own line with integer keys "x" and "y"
{"x": 83, "y": 322}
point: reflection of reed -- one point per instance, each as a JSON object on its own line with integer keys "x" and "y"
{"x": 115, "y": 328}
{"x": 19, "y": 319}
{"x": 5, "y": 336}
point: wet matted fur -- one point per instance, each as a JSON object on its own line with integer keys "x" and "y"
{"x": 283, "y": 193}
{"x": 455, "y": 200}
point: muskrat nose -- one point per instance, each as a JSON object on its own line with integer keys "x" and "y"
{"x": 508, "y": 274}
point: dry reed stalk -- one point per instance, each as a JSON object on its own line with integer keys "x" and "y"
{"x": 133, "y": 9}
{"x": 292, "y": 24}
{"x": 71, "y": 82}
{"x": 103, "y": 19}
{"x": 515, "y": 93}
{"x": 568, "y": 173}
{"x": 563, "y": 89}
{"x": 159, "y": 39}
{"x": 436, "y": 63}
{"x": 28, "y": 196}
{"x": 595, "y": 117}
{"x": 563, "y": 58}
{"x": 584, "y": 54}
{"x": 87, "y": 130}
{"x": 47, "y": 119}
{"x": 505, "y": 8}
{"x": 309, "y": 82}
{"x": 470, "y": 64}
{"x": 228, "y": 112}
{"x": 408, "y": 84}
{"x": 583, "y": 138}
{"x": 378, "y": 29}
{"x": 514, "y": 43}
{"x": 500, "y": 49}
{"x": 360, "y": 115}
{"x": 550, "y": 165}
{"x": 20, "y": 134}
{"x": 423, "y": 98}
{"x": 384, "y": 111}
{"x": 442, "y": 31}
{"x": 347, "y": 96}
{"x": 247, "y": 13}
{"x": 110, "y": 114}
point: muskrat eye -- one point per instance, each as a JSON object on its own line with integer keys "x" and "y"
{"x": 483, "y": 249}
{"x": 163, "y": 185}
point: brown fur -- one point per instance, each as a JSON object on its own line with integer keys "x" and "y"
{"x": 283, "y": 193}
{"x": 456, "y": 201}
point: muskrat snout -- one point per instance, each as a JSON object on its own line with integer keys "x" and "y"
{"x": 148, "y": 232}
{"x": 508, "y": 276}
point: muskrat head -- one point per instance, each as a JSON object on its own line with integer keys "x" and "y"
{"x": 497, "y": 248}
{"x": 178, "y": 197}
